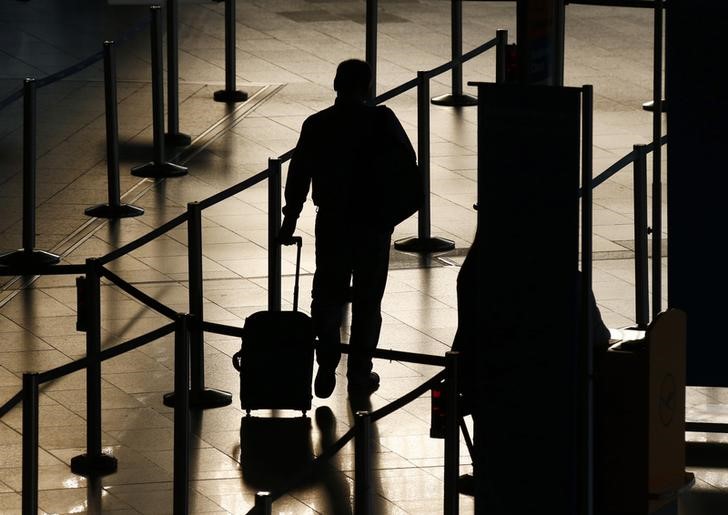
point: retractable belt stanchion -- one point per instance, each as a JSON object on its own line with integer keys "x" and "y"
{"x": 181, "y": 479}
{"x": 159, "y": 167}
{"x": 28, "y": 256}
{"x": 641, "y": 274}
{"x": 263, "y": 503}
{"x": 230, "y": 94}
{"x": 173, "y": 137}
{"x": 94, "y": 462}
{"x": 30, "y": 443}
{"x": 200, "y": 397}
{"x": 114, "y": 209}
{"x": 372, "y": 20}
{"x": 456, "y": 98}
{"x": 274, "y": 224}
{"x": 363, "y": 493}
{"x": 657, "y": 164}
{"x": 501, "y": 44}
{"x": 424, "y": 242}
{"x": 451, "y": 501}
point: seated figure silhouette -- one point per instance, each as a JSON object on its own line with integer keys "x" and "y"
{"x": 336, "y": 156}
{"x": 467, "y": 337}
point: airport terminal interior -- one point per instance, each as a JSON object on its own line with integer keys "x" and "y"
{"x": 286, "y": 56}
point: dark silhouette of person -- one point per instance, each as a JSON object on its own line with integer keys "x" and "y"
{"x": 334, "y": 156}
{"x": 467, "y": 337}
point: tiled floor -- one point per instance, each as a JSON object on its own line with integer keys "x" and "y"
{"x": 287, "y": 53}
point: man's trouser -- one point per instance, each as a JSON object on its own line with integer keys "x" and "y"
{"x": 348, "y": 254}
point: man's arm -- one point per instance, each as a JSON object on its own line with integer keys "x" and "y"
{"x": 298, "y": 183}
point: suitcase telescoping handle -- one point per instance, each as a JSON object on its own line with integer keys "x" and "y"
{"x": 299, "y": 243}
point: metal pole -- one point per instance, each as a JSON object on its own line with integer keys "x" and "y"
{"x": 30, "y": 443}
{"x": 173, "y": 137}
{"x": 94, "y": 462}
{"x": 114, "y": 209}
{"x": 230, "y": 94}
{"x": 372, "y": 21}
{"x": 199, "y": 396}
{"x": 195, "y": 284}
{"x": 587, "y": 366}
{"x": 456, "y": 98}
{"x": 158, "y": 167}
{"x": 181, "y": 503}
{"x": 263, "y": 503}
{"x": 28, "y": 256}
{"x": 657, "y": 164}
{"x": 501, "y": 46}
{"x": 641, "y": 267}
{"x": 424, "y": 242}
{"x": 452, "y": 437}
{"x": 29, "y": 165}
{"x": 363, "y": 492}
{"x": 274, "y": 224}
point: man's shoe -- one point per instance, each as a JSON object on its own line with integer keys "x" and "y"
{"x": 325, "y": 382}
{"x": 368, "y": 385}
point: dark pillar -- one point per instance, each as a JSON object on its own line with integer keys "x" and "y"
{"x": 696, "y": 182}
{"x": 540, "y": 29}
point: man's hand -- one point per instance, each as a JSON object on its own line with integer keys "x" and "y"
{"x": 285, "y": 234}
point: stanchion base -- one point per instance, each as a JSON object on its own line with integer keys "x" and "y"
{"x": 650, "y": 106}
{"x": 205, "y": 399}
{"x": 451, "y": 100}
{"x": 93, "y": 466}
{"x": 159, "y": 170}
{"x": 109, "y": 211}
{"x": 177, "y": 139}
{"x": 27, "y": 259}
{"x": 230, "y": 96}
{"x": 424, "y": 245}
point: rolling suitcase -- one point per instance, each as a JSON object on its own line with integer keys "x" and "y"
{"x": 275, "y": 360}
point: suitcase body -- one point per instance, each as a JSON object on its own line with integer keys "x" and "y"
{"x": 275, "y": 360}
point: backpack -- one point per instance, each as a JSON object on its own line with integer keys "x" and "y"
{"x": 395, "y": 183}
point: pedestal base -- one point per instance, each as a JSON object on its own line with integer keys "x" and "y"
{"x": 205, "y": 399}
{"x": 23, "y": 259}
{"x": 423, "y": 245}
{"x": 159, "y": 170}
{"x": 230, "y": 96}
{"x": 98, "y": 465}
{"x": 451, "y": 100}
{"x": 109, "y": 211}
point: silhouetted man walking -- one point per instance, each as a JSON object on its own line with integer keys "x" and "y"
{"x": 337, "y": 153}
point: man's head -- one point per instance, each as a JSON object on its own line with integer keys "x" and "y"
{"x": 353, "y": 79}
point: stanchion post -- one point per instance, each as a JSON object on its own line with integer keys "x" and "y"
{"x": 230, "y": 94}
{"x": 452, "y": 437}
{"x": 263, "y": 503}
{"x": 30, "y": 443}
{"x": 181, "y": 503}
{"x": 173, "y": 137}
{"x": 28, "y": 256}
{"x": 200, "y": 396}
{"x": 372, "y": 22}
{"x": 157, "y": 168}
{"x": 94, "y": 463}
{"x": 501, "y": 47}
{"x": 424, "y": 242}
{"x": 114, "y": 208}
{"x": 456, "y": 98}
{"x": 641, "y": 273}
{"x": 363, "y": 488}
{"x": 657, "y": 163}
{"x": 274, "y": 224}
{"x": 586, "y": 364}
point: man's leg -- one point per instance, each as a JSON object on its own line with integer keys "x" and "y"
{"x": 330, "y": 285}
{"x": 371, "y": 264}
